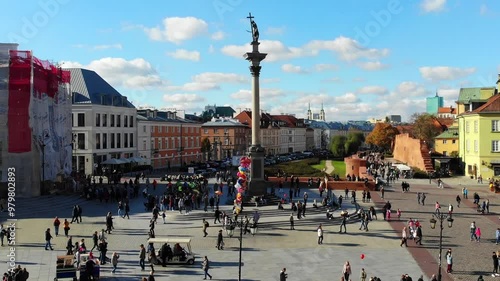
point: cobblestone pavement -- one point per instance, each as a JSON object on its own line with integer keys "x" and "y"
{"x": 274, "y": 247}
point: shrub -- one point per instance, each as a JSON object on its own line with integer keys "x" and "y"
{"x": 419, "y": 174}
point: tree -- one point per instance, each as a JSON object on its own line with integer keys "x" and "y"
{"x": 382, "y": 136}
{"x": 353, "y": 142}
{"x": 338, "y": 146}
{"x": 205, "y": 148}
{"x": 425, "y": 127}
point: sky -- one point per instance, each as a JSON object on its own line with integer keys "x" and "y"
{"x": 356, "y": 59}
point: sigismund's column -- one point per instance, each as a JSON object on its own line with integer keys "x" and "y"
{"x": 257, "y": 184}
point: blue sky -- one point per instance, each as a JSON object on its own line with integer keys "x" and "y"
{"x": 360, "y": 59}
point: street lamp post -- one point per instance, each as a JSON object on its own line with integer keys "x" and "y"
{"x": 441, "y": 217}
{"x": 230, "y": 233}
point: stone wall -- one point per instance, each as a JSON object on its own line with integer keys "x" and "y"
{"x": 409, "y": 151}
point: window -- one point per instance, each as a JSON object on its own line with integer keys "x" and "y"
{"x": 495, "y": 126}
{"x": 125, "y": 140}
{"x": 495, "y": 146}
{"x": 118, "y": 120}
{"x": 81, "y": 140}
{"x": 144, "y": 145}
{"x": 104, "y": 141}
{"x": 112, "y": 140}
{"x": 476, "y": 146}
{"x": 444, "y": 141}
{"x": 496, "y": 171}
{"x": 159, "y": 143}
{"x": 216, "y": 131}
{"x": 453, "y": 141}
{"x": 131, "y": 121}
{"x": 72, "y": 119}
{"x": 97, "y": 141}
{"x": 131, "y": 142}
{"x": 118, "y": 140}
{"x": 476, "y": 126}
{"x": 144, "y": 128}
{"x": 112, "y": 120}
{"x": 98, "y": 120}
{"x": 125, "y": 121}
{"x": 104, "y": 120}
{"x": 467, "y": 126}
{"x": 205, "y": 131}
{"x": 81, "y": 120}
{"x": 445, "y": 153}
{"x": 467, "y": 145}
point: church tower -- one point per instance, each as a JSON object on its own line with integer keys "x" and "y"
{"x": 309, "y": 113}
{"x": 322, "y": 114}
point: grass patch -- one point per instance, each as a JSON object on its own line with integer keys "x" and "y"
{"x": 301, "y": 168}
{"x": 339, "y": 168}
{"x": 320, "y": 166}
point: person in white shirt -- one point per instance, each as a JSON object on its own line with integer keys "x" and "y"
{"x": 320, "y": 234}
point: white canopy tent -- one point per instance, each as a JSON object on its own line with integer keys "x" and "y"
{"x": 402, "y": 167}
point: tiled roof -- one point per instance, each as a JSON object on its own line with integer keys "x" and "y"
{"x": 449, "y": 110}
{"x": 472, "y": 94}
{"x": 88, "y": 87}
{"x": 492, "y": 105}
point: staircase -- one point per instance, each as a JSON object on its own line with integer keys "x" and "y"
{"x": 426, "y": 157}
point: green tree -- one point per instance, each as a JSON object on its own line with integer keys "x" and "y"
{"x": 205, "y": 148}
{"x": 337, "y": 146}
{"x": 353, "y": 142}
{"x": 382, "y": 136}
{"x": 425, "y": 127}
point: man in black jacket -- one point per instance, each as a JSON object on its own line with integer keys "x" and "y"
{"x": 283, "y": 275}
{"x": 48, "y": 237}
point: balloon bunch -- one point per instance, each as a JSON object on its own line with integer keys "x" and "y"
{"x": 241, "y": 183}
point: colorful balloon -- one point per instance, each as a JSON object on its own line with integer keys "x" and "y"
{"x": 362, "y": 256}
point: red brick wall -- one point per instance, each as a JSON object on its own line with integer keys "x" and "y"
{"x": 355, "y": 166}
{"x": 408, "y": 150}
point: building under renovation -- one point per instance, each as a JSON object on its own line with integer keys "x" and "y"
{"x": 35, "y": 121}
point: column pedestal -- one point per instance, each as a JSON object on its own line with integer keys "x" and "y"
{"x": 257, "y": 185}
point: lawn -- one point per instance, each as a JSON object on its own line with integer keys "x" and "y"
{"x": 338, "y": 165}
{"x": 319, "y": 166}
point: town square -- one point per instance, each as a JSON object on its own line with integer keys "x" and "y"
{"x": 239, "y": 140}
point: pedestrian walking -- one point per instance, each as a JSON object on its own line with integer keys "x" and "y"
{"x": 74, "y": 214}
{"x": 478, "y": 234}
{"x": 95, "y": 240}
{"x": 142, "y": 257}
{"x": 404, "y": 237}
{"x": 449, "y": 261}
{"x": 398, "y": 213}
{"x": 382, "y": 191}
{"x": 204, "y": 227}
{"x": 458, "y": 201}
{"x": 497, "y": 236}
{"x": 450, "y": 210}
{"x": 495, "y": 263}
{"x": 57, "y": 222}
{"x": 69, "y": 246}
{"x": 283, "y": 274}
{"x": 343, "y": 222}
{"x": 473, "y": 231}
{"x": 346, "y": 270}
{"x": 66, "y": 227}
{"x": 292, "y": 226}
{"x": 320, "y": 234}
{"x": 418, "y": 198}
{"x": 48, "y": 237}
{"x": 79, "y": 212}
{"x": 114, "y": 261}
{"x": 206, "y": 267}
{"x": 437, "y": 207}
{"x": 418, "y": 234}
{"x": 127, "y": 210}
{"x": 423, "y": 199}
{"x": 220, "y": 241}
{"x": 164, "y": 217}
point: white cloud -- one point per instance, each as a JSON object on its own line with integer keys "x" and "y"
{"x": 177, "y": 29}
{"x": 321, "y": 67}
{"x": 372, "y": 65}
{"x": 483, "y": 9}
{"x": 430, "y": 6}
{"x": 135, "y": 74}
{"x": 104, "y": 47}
{"x": 410, "y": 89}
{"x": 290, "y": 68}
{"x": 245, "y": 95}
{"x": 185, "y": 55}
{"x": 184, "y": 97}
{"x": 209, "y": 81}
{"x": 345, "y": 48}
{"x": 346, "y": 98}
{"x": 439, "y": 73}
{"x": 275, "y": 30}
{"x": 219, "y": 35}
{"x": 270, "y": 80}
{"x": 211, "y": 49}
{"x": 332, "y": 80}
{"x": 373, "y": 90}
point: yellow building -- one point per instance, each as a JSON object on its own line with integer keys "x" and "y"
{"x": 447, "y": 142}
{"x": 479, "y": 139}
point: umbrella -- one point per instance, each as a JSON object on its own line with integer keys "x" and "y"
{"x": 137, "y": 160}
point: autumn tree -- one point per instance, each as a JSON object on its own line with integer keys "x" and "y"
{"x": 205, "y": 148}
{"x": 382, "y": 136}
{"x": 425, "y": 127}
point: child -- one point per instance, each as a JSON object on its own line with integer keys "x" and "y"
{"x": 164, "y": 216}
{"x": 363, "y": 274}
{"x": 478, "y": 234}
{"x": 399, "y": 214}
{"x": 388, "y": 215}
